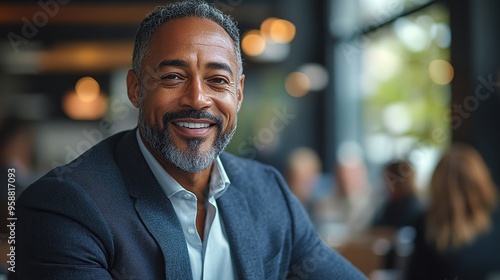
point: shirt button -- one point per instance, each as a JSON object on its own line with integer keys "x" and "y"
{"x": 191, "y": 230}
{"x": 187, "y": 196}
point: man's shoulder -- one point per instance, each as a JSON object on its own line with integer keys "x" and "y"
{"x": 92, "y": 168}
{"x": 95, "y": 160}
{"x": 94, "y": 173}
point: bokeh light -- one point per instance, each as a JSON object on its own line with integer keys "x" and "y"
{"x": 274, "y": 52}
{"x": 87, "y": 89}
{"x": 317, "y": 74}
{"x": 265, "y": 26}
{"x": 282, "y": 31}
{"x": 297, "y": 84}
{"x": 413, "y": 36}
{"x": 441, "y": 72}
{"x": 441, "y": 34}
{"x": 253, "y": 43}
{"x": 397, "y": 118}
{"x": 77, "y": 109}
{"x": 86, "y": 102}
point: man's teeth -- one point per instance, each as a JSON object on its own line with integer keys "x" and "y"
{"x": 192, "y": 125}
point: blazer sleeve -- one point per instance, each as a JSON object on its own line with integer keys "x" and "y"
{"x": 311, "y": 257}
{"x": 62, "y": 236}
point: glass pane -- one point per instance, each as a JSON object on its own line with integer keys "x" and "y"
{"x": 374, "y": 12}
{"x": 350, "y": 18}
{"x": 405, "y": 88}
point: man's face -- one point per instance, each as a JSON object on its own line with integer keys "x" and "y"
{"x": 189, "y": 93}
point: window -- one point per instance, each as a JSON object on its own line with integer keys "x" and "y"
{"x": 392, "y": 73}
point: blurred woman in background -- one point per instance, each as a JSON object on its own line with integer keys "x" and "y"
{"x": 459, "y": 236}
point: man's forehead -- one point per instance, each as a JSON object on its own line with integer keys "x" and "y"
{"x": 184, "y": 37}
{"x": 193, "y": 30}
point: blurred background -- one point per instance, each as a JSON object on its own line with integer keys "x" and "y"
{"x": 335, "y": 90}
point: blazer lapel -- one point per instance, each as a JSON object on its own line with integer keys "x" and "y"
{"x": 159, "y": 216}
{"x": 240, "y": 232}
{"x": 154, "y": 208}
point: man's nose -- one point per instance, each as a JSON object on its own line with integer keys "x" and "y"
{"x": 196, "y": 95}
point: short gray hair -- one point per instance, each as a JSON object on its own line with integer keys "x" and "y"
{"x": 178, "y": 10}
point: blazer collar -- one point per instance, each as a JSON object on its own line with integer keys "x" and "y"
{"x": 153, "y": 207}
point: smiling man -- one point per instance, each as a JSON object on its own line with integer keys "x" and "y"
{"x": 164, "y": 201}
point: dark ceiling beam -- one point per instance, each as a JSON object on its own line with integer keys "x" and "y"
{"x": 113, "y": 14}
{"x": 96, "y": 14}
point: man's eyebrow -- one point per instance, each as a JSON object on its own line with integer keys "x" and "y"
{"x": 220, "y": 66}
{"x": 183, "y": 63}
{"x": 173, "y": 62}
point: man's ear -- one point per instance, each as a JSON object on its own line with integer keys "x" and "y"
{"x": 133, "y": 90}
{"x": 241, "y": 86}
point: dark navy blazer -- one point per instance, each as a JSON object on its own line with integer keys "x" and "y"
{"x": 104, "y": 216}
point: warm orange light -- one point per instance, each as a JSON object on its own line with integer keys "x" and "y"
{"x": 85, "y": 57}
{"x": 87, "y": 89}
{"x": 77, "y": 109}
{"x": 281, "y": 31}
{"x": 441, "y": 72}
{"x": 253, "y": 44}
{"x": 265, "y": 26}
{"x": 297, "y": 84}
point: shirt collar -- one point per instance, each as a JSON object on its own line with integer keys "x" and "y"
{"x": 217, "y": 185}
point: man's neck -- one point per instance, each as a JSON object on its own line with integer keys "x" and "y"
{"x": 197, "y": 182}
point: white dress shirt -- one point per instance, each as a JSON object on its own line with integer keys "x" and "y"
{"x": 210, "y": 259}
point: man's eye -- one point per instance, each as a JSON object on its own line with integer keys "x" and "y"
{"x": 218, "y": 81}
{"x": 171, "y": 77}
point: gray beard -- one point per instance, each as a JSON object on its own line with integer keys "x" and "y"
{"x": 191, "y": 159}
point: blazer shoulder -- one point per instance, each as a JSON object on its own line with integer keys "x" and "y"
{"x": 93, "y": 176}
{"x": 238, "y": 166}
{"x": 94, "y": 159}
{"x": 255, "y": 179}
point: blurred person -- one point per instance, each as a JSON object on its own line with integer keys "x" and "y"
{"x": 303, "y": 172}
{"x": 459, "y": 236}
{"x": 163, "y": 201}
{"x": 403, "y": 206}
{"x": 16, "y": 154}
{"x": 16, "y": 150}
{"x": 399, "y": 212}
{"x": 16, "y": 159}
{"x": 348, "y": 209}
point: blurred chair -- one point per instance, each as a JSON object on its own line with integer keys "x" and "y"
{"x": 368, "y": 250}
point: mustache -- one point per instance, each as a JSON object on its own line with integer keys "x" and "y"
{"x": 192, "y": 114}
